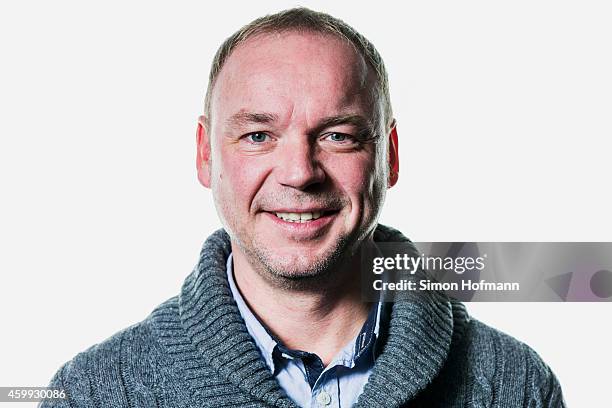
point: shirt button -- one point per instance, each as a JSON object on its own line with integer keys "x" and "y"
{"x": 324, "y": 398}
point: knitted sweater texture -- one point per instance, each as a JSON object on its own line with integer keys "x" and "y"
{"x": 194, "y": 350}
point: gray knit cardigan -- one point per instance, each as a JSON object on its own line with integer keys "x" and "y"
{"x": 194, "y": 350}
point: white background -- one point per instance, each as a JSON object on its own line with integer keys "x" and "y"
{"x": 504, "y": 118}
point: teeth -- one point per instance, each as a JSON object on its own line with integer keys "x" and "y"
{"x": 305, "y": 216}
{"x": 299, "y": 217}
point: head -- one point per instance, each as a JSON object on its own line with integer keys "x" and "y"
{"x": 297, "y": 143}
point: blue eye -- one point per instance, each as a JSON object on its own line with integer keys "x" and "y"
{"x": 257, "y": 137}
{"x": 338, "y": 137}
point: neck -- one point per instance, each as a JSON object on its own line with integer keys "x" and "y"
{"x": 320, "y": 321}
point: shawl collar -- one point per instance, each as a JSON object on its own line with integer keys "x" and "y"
{"x": 416, "y": 345}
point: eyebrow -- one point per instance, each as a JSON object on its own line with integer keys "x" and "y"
{"x": 243, "y": 118}
{"x": 358, "y": 121}
{"x": 366, "y": 128}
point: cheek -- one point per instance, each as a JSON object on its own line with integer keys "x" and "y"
{"x": 235, "y": 180}
{"x": 373, "y": 185}
{"x": 357, "y": 177}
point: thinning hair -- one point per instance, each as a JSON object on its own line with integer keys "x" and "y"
{"x": 302, "y": 19}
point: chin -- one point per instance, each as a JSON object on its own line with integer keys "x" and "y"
{"x": 292, "y": 266}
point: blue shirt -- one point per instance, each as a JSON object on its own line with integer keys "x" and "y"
{"x": 301, "y": 374}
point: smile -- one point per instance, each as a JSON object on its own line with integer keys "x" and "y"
{"x": 302, "y": 223}
{"x": 299, "y": 217}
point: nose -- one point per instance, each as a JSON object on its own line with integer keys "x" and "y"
{"x": 297, "y": 166}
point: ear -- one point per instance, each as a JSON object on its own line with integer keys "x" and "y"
{"x": 203, "y": 153}
{"x": 393, "y": 156}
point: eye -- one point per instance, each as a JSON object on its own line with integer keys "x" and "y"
{"x": 257, "y": 137}
{"x": 338, "y": 137}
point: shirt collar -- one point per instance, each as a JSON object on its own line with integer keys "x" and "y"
{"x": 262, "y": 338}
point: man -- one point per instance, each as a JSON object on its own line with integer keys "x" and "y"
{"x": 298, "y": 145}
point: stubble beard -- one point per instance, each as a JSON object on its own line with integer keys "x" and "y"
{"x": 300, "y": 272}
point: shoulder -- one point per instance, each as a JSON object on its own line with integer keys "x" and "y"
{"x": 509, "y": 366}
{"x": 107, "y": 371}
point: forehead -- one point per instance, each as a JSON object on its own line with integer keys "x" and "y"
{"x": 307, "y": 72}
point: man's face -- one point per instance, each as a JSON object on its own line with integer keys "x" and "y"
{"x": 294, "y": 154}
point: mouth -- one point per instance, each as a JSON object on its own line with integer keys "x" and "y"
{"x": 303, "y": 223}
{"x": 299, "y": 217}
